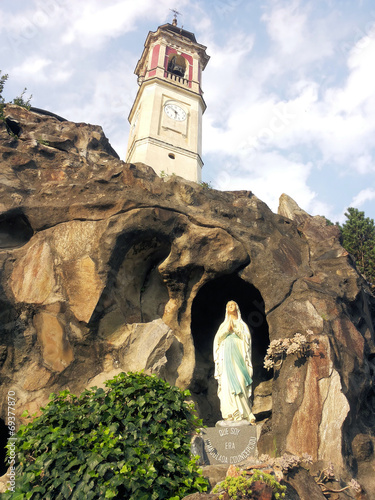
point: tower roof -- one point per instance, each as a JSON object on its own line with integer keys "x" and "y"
{"x": 179, "y": 31}
{"x": 186, "y": 39}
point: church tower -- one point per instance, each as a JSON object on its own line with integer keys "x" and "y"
{"x": 166, "y": 117}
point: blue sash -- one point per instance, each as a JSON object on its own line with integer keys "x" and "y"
{"x": 232, "y": 358}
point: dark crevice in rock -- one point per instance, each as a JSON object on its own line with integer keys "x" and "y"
{"x": 9, "y": 321}
{"x": 287, "y": 295}
{"x": 13, "y": 126}
{"x": 66, "y": 146}
{"x": 4, "y": 435}
{"x": 15, "y": 229}
{"x": 114, "y": 176}
{"x": 46, "y": 152}
{"x": 187, "y": 278}
{"x": 30, "y": 165}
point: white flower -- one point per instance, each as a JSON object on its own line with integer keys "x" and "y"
{"x": 299, "y": 338}
{"x": 355, "y": 485}
{"x": 330, "y": 471}
{"x": 268, "y": 363}
{"x": 293, "y": 348}
{"x": 307, "y": 458}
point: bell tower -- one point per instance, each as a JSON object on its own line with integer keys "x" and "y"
{"x": 166, "y": 117}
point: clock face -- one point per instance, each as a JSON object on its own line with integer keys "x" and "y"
{"x": 175, "y": 112}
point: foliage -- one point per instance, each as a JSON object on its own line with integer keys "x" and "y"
{"x": 239, "y": 487}
{"x": 328, "y": 222}
{"x": 163, "y": 174}
{"x": 19, "y": 100}
{"x": 206, "y": 185}
{"x": 358, "y": 238}
{"x": 43, "y": 142}
{"x": 279, "y": 349}
{"x": 236, "y": 487}
{"x": 3, "y": 79}
{"x": 131, "y": 440}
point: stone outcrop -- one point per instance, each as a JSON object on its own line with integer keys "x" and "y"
{"x": 106, "y": 267}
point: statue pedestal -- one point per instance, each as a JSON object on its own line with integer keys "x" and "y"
{"x": 230, "y": 442}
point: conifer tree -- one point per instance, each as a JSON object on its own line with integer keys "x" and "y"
{"x": 358, "y": 233}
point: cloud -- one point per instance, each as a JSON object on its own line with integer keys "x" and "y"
{"x": 32, "y": 23}
{"x": 104, "y": 98}
{"x": 31, "y": 66}
{"x": 222, "y": 81}
{"x": 364, "y": 164}
{"x": 362, "y": 197}
{"x": 342, "y": 123}
{"x": 300, "y": 33}
{"x": 40, "y": 70}
{"x": 279, "y": 21}
{"x": 357, "y": 95}
{"x": 268, "y": 176}
{"x": 247, "y": 120}
{"x": 96, "y": 22}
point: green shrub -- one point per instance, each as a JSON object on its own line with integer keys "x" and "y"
{"x": 130, "y": 441}
{"x": 19, "y": 100}
{"x": 236, "y": 487}
{"x": 239, "y": 488}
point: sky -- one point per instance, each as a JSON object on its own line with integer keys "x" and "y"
{"x": 289, "y": 88}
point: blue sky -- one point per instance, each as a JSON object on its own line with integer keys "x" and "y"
{"x": 290, "y": 86}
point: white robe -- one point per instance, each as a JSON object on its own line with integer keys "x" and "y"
{"x": 233, "y": 369}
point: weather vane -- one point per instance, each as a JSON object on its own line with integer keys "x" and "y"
{"x": 176, "y": 13}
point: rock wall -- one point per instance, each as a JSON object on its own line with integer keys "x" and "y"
{"x": 106, "y": 267}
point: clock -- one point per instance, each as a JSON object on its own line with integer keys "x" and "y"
{"x": 175, "y": 112}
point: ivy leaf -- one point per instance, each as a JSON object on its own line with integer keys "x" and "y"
{"x": 130, "y": 440}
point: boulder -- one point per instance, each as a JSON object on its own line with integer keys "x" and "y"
{"x": 262, "y": 405}
{"x": 107, "y": 267}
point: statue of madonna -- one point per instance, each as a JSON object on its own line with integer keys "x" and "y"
{"x": 233, "y": 368}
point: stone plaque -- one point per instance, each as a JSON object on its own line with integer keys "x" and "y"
{"x": 228, "y": 444}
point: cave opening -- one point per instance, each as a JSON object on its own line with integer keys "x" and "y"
{"x": 4, "y": 435}
{"x": 135, "y": 291}
{"x": 208, "y": 312}
{"x": 15, "y": 230}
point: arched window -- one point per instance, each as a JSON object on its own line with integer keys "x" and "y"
{"x": 177, "y": 65}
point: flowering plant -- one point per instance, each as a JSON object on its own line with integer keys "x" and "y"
{"x": 327, "y": 475}
{"x": 288, "y": 463}
{"x": 299, "y": 344}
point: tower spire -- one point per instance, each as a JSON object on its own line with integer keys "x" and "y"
{"x": 175, "y": 14}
